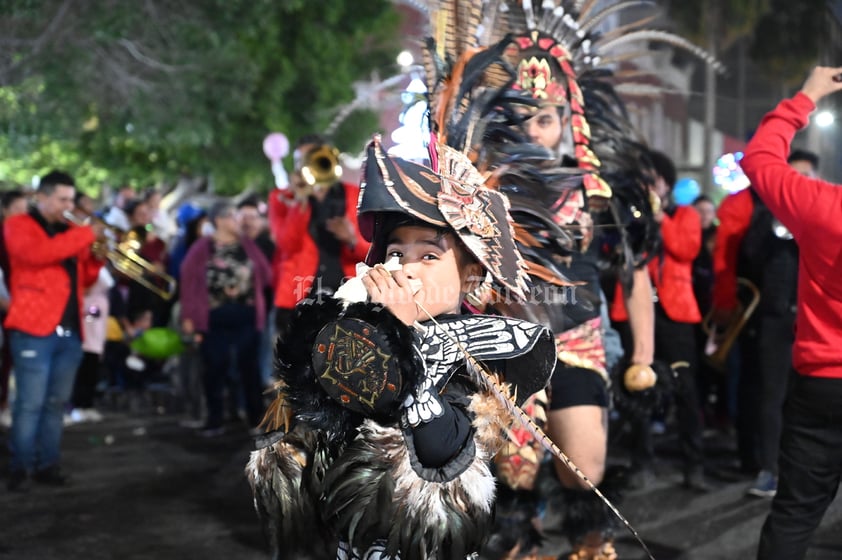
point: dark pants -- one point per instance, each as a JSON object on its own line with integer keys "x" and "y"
{"x": 232, "y": 335}
{"x": 5, "y": 371}
{"x": 87, "y": 376}
{"x": 809, "y": 467}
{"x": 283, "y": 318}
{"x": 774, "y": 361}
{"x": 748, "y": 381}
{"x": 675, "y": 342}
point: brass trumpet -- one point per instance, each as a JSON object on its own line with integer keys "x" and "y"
{"x": 720, "y": 343}
{"x": 320, "y": 169}
{"x": 121, "y": 252}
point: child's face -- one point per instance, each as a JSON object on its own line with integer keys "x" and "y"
{"x": 438, "y": 261}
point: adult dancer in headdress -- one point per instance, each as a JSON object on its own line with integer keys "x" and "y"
{"x": 390, "y": 422}
{"x": 586, "y": 209}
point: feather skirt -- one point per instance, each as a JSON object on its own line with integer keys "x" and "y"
{"x": 368, "y": 495}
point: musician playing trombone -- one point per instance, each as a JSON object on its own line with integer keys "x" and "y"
{"x": 53, "y": 264}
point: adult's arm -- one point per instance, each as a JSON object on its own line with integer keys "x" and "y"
{"x": 359, "y": 250}
{"x": 641, "y": 312}
{"x": 193, "y": 284}
{"x": 789, "y": 195}
{"x": 29, "y": 244}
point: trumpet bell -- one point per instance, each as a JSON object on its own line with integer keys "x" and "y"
{"x": 321, "y": 166}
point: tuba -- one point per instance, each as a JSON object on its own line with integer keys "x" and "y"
{"x": 120, "y": 248}
{"x": 320, "y": 169}
{"x": 720, "y": 341}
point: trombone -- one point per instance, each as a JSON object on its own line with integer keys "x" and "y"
{"x": 121, "y": 252}
{"x": 720, "y": 342}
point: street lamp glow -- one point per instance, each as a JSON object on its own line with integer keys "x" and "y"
{"x": 405, "y": 59}
{"x": 824, "y": 119}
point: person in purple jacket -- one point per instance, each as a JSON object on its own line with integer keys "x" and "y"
{"x": 223, "y": 277}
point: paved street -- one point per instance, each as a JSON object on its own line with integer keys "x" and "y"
{"x": 145, "y": 487}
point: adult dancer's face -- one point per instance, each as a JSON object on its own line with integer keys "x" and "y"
{"x": 546, "y": 127}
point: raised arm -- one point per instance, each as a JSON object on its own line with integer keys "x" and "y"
{"x": 787, "y": 193}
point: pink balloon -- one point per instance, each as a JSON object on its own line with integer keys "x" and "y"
{"x": 275, "y": 146}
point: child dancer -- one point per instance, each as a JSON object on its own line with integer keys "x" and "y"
{"x": 388, "y": 426}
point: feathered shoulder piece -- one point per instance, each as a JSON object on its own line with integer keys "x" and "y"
{"x": 342, "y": 364}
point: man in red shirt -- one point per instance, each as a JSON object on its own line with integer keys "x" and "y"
{"x": 53, "y": 265}
{"x": 810, "y": 462}
{"x": 317, "y": 239}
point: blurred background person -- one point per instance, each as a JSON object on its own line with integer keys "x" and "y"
{"x": 223, "y": 278}
{"x": 53, "y": 264}
{"x": 256, "y": 228}
{"x": 713, "y": 390}
{"x": 676, "y": 317}
{"x": 95, "y": 310}
{"x": 163, "y": 226}
{"x": 316, "y": 233}
{"x": 12, "y": 203}
{"x": 153, "y": 250}
{"x": 115, "y": 214}
{"x": 190, "y": 220}
{"x": 752, "y": 244}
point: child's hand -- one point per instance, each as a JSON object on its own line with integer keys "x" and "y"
{"x": 393, "y": 290}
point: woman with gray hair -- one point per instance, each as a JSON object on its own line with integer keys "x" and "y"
{"x": 222, "y": 285}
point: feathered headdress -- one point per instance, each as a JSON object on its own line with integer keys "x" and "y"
{"x": 451, "y": 195}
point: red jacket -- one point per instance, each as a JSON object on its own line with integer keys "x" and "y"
{"x": 810, "y": 209}
{"x": 672, "y": 272}
{"x": 40, "y": 284}
{"x": 296, "y": 254}
{"x": 734, "y": 215}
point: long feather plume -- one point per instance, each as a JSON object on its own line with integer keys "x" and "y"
{"x": 589, "y": 23}
{"x": 491, "y": 383}
{"x": 664, "y": 37}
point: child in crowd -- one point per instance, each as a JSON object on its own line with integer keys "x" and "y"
{"x": 96, "y": 309}
{"x": 391, "y": 425}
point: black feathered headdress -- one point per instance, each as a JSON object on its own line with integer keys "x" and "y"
{"x": 454, "y": 197}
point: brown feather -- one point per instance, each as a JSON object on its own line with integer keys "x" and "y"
{"x": 278, "y": 414}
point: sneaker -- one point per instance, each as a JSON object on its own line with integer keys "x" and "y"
{"x": 765, "y": 486}
{"x": 658, "y": 427}
{"x": 6, "y": 417}
{"x": 191, "y": 423}
{"x": 77, "y": 416}
{"x": 18, "y": 481}
{"x": 93, "y": 415}
{"x": 695, "y": 480}
{"x": 642, "y": 477}
{"x": 50, "y": 476}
